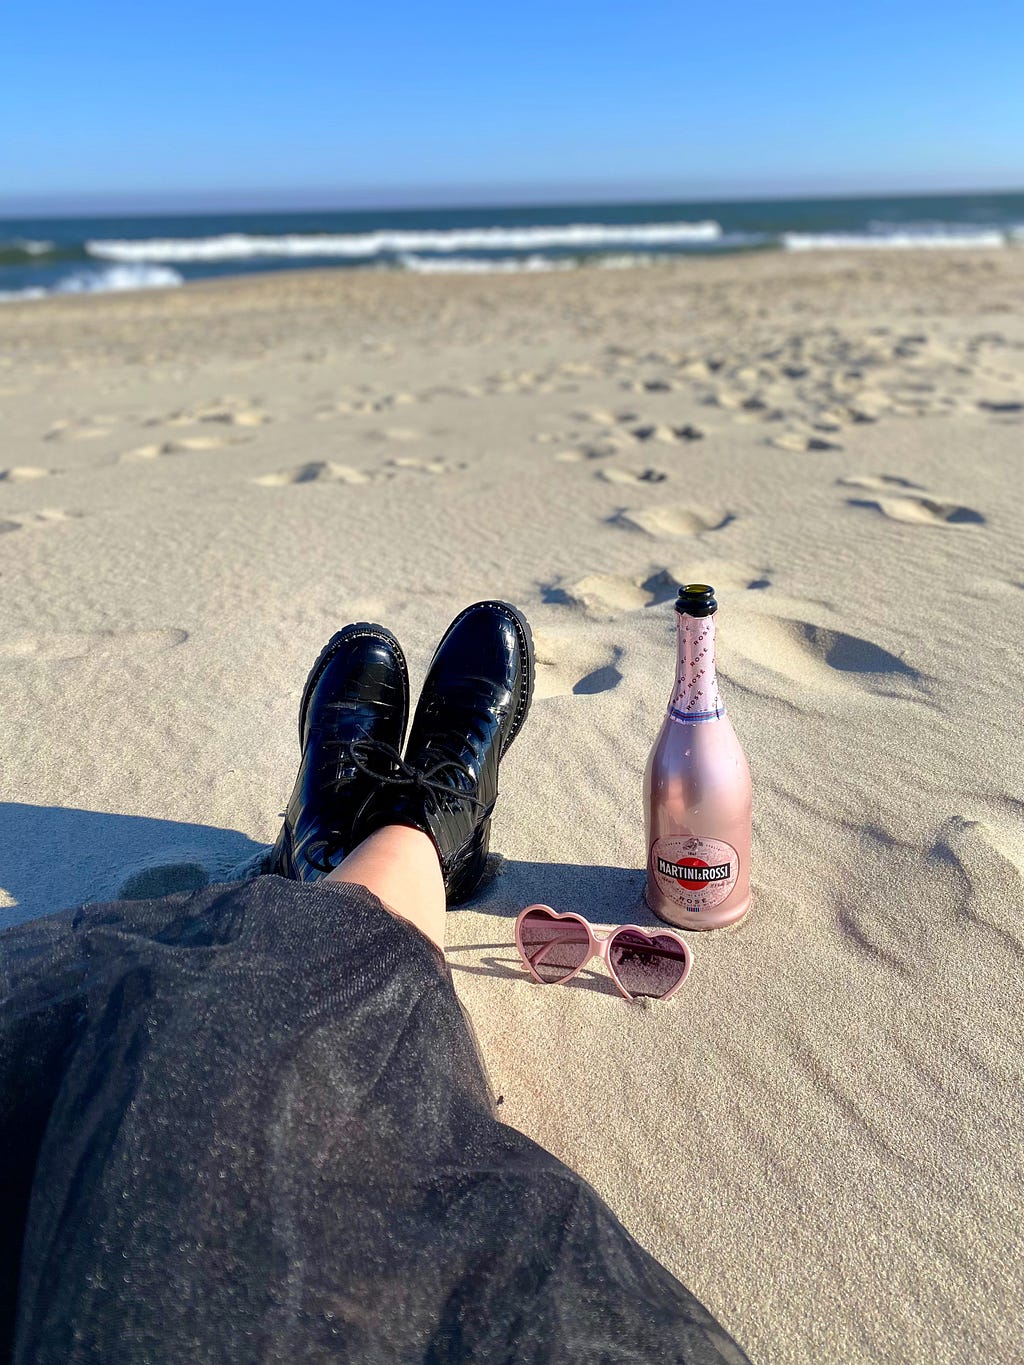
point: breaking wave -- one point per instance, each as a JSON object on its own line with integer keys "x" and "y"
{"x": 885, "y": 237}
{"x": 101, "y": 281}
{"x": 483, "y": 265}
{"x": 25, "y": 251}
{"x": 42, "y": 256}
{"x": 367, "y": 245}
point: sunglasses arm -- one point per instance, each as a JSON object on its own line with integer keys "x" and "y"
{"x": 534, "y": 958}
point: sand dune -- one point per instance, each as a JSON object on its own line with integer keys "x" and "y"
{"x": 821, "y": 1136}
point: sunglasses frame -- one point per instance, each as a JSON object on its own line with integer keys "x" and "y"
{"x": 601, "y": 947}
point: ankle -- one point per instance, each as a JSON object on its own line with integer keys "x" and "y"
{"x": 400, "y": 866}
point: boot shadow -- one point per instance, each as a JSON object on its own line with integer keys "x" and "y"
{"x": 601, "y": 894}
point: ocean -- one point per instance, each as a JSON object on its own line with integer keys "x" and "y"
{"x": 41, "y": 256}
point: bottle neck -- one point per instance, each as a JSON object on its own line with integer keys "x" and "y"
{"x": 695, "y": 695}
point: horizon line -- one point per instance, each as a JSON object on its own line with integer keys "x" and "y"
{"x": 168, "y": 204}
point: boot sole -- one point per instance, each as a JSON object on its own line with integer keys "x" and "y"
{"x": 332, "y": 647}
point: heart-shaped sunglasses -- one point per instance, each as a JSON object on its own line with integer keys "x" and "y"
{"x": 555, "y": 947}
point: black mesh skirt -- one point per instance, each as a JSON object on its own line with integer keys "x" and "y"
{"x": 249, "y": 1124}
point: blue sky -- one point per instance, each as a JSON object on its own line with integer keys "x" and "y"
{"x": 318, "y": 103}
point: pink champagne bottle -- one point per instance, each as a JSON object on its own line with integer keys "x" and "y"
{"x": 697, "y": 788}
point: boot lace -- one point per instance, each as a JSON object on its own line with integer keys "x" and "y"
{"x": 402, "y": 774}
{"x": 393, "y": 772}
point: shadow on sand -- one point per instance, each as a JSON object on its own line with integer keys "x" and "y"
{"x": 602, "y": 895}
{"x": 52, "y": 857}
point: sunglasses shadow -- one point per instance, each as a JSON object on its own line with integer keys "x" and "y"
{"x": 510, "y": 968}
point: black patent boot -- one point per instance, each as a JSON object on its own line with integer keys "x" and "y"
{"x": 357, "y": 693}
{"x": 473, "y": 705}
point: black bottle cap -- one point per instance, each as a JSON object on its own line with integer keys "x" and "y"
{"x": 696, "y": 599}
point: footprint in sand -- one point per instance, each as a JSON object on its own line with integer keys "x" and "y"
{"x": 731, "y": 400}
{"x": 392, "y": 435}
{"x": 46, "y": 648}
{"x": 331, "y": 411}
{"x": 879, "y": 483}
{"x": 671, "y": 521}
{"x": 626, "y": 426}
{"x": 801, "y": 442}
{"x": 818, "y": 383}
{"x": 89, "y": 430}
{"x": 760, "y": 647}
{"x": 401, "y": 462}
{"x": 48, "y": 516}
{"x": 451, "y": 391}
{"x": 325, "y": 471}
{"x": 988, "y": 856}
{"x": 574, "y": 665}
{"x": 316, "y": 471}
{"x": 604, "y": 597}
{"x": 922, "y": 511}
{"x": 158, "y": 879}
{"x": 667, "y": 435}
{"x": 234, "y": 417}
{"x": 24, "y": 473}
{"x": 607, "y": 596}
{"x": 249, "y": 418}
{"x": 646, "y": 385}
{"x": 963, "y": 886}
{"x": 230, "y": 411}
{"x": 183, "y": 445}
{"x": 1000, "y": 590}
{"x": 592, "y": 450}
{"x": 615, "y": 475}
{"x": 148, "y": 452}
{"x": 599, "y": 416}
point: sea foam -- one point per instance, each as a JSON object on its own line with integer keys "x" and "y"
{"x": 367, "y": 245}
{"x": 24, "y": 250}
{"x": 111, "y": 278}
{"x": 30, "y": 247}
{"x": 482, "y": 265}
{"x": 894, "y": 239}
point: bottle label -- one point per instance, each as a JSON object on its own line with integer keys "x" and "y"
{"x": 695, "y": 695}
{"x": 694, "y": 873}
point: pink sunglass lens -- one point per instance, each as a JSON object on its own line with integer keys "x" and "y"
{"x": 554, "y": 948}
{"x": 647, "y": 966}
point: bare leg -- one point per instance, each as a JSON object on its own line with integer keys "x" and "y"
{"x": 400, "y": 866}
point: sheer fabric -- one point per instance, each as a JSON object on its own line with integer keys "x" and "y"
{"x": 249, "y": 1124}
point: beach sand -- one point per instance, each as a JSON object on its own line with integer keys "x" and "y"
{"x": 821, "y": 1136}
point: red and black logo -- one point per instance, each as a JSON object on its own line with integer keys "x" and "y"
{"x": 693, "y": 873}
